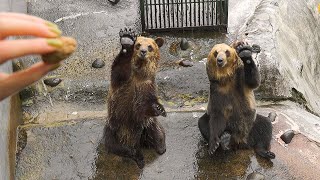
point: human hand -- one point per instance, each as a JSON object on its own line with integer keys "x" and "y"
{"x": 15, "y": 24}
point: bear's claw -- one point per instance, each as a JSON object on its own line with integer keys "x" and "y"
{"x": 127, "y": 37}
{"x": 159, "y": 110}
{"x": 225, "y": 141}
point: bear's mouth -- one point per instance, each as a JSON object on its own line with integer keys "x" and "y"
{"x": 220, "y": 64}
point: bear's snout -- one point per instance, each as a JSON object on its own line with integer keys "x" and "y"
{"x": 220, "y": 61}
{"x": 143, "y": 53}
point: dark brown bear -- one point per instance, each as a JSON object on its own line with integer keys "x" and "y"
{"x": 133, "y": 105}
{"x": 231, "y": 118}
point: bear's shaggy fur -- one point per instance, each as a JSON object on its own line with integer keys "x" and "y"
{"x": 231, "y": 118}
{"x": 132, "y": 101}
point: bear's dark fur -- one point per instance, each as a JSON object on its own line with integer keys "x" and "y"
{"x": 132, "y": 100}
{"x": 231, "y": 119}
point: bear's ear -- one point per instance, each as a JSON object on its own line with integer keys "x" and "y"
{"x": 159, "y": 41}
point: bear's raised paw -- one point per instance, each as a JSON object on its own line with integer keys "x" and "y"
{"x": 127, "y": 39}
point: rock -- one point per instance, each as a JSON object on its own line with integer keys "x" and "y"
{"x": 184, "y": 44}
{"x": 272, "y": 116}
{"x": 255, "y": 176}
{"x": 287, "y": 136}
{"x": 185, "y": 63}
{"x": 52, "y": 82}
{"x": 98, "y": 63}
{"x": 114, "y": 2}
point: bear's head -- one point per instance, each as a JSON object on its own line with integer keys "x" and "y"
{"x": 222, "y": 62}
{"x": 146, "y": 56}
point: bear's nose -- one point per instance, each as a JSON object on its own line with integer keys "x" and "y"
{"x": 220, "y": 60}
{"x": 143, "y": 52}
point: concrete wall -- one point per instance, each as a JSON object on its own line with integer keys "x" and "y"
{"x": 4, "y": 130}
{"x": 9, "y": 108}
{"x": 288, "y": 33}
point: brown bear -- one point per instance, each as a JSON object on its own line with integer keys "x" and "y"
{"x": 231, "y": 119}
{"x": 133, "y": 104}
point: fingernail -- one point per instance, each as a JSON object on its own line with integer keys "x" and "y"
{"x": 55, "y": 30}
{"x": 54, "y": 43}
{"x": 51, "y": 24}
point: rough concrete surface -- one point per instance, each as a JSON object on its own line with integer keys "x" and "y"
{"x": 73, "y": 150}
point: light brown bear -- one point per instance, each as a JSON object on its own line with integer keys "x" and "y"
{"x": 133, "y": 103}
{"x": 231, "y": 119}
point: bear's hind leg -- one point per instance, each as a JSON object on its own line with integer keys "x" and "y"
{"x": 260, "y": 137}
{"x": 203, "y": 124}
{"x": 154, "y": 136}
{"x": 113, "y": 146}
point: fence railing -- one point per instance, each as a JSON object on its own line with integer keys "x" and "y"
{"x": 165, "y": 15}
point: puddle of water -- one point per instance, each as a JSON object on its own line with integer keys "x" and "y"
{"x": 223, "y": 165}
{"x": 109, "y": 166}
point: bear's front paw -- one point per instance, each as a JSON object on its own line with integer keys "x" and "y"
{"x": 159, "y": 110}
{"x": 127, "y": 39}
{"x": 245, "y": 52}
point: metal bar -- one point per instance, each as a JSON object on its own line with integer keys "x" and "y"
{"x": 172, "y": 12}
{"x": 182, "y": 12}
{"x": 226, "y": 10}
{"x": 203, "y": 17}
{"x": 177, "y": 1}
{"x": 164, "y": 13}
{"x": 151, "y": 21}
{"x": 221, "y": 14}
{"x": 142, "y": 15}
{"x": 194, "y": 14}
{"x": 199, "y": 20}
{"x": 186, "y": 20}
{"x": 155, "y": 13}
{"x": 217, "y": 11}
{"x": 208, "y": 13}
{"x": 212, "y": 12}
{"x": 169, "y": 15}
{"x": 190, "y": 17}
{"x": 159, "y": 10}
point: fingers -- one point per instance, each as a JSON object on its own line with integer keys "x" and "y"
{"x": 19, "y": 24}
{"x": 16, "y": 48}
{"x": 11, "y": 84}
{"x": 21, "y": 16}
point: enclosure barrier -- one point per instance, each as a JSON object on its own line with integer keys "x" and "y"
{"x": 167, "y": 15}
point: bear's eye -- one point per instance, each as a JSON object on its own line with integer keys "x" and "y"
{"x": 150, "y": 48}
{"x": 227, "y": 53}
{"x": 138, "y": 46}
{"x": 215, "y": 54}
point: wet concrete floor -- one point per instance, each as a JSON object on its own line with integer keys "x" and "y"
{"x": 73, "y": 150}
